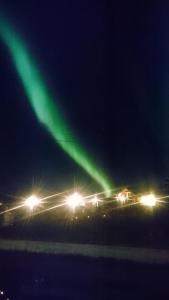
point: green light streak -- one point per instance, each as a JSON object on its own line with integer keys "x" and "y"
{"x": 46, "y": 110}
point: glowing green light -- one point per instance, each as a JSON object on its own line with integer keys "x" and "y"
{"x": 44, "y": 106}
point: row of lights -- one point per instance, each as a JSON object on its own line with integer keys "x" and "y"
{"x": 73, "y": 201}
{"x": 76, "y": 200}
{"x": 147, "y": 200}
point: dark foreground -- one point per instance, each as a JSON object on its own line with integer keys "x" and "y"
{"x": 41, "y": 276}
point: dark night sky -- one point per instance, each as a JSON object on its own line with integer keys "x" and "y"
{"x": 107, "y": 65}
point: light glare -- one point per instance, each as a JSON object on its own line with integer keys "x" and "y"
{"x": 95, "y": 201}
{"x": 75, "y": 200}
{"x": 32, "y": 202}
{"x": 148, "y": 200}
{"x": 123, "y": 196}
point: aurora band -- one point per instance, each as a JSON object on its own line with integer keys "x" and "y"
{"x": 46, "y": 109}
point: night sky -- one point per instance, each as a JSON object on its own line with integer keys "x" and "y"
{"x": 107, "y": 65}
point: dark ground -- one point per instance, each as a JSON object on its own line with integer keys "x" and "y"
{"x": 41, "y": 276}
{"x": 133, "y": 226}
{"x": 32, "y": 276}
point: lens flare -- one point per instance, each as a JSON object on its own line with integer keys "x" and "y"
{"x": 123, "y": 196}
{"x": 32, "y": 202}
{"x": 45, "y": 107}
{"x": 148, "y": 200}
{"x": 95, "y": 201}
{"x": 75, "y": 200}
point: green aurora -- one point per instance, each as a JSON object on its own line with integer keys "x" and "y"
{"x": 43, "y": 105}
